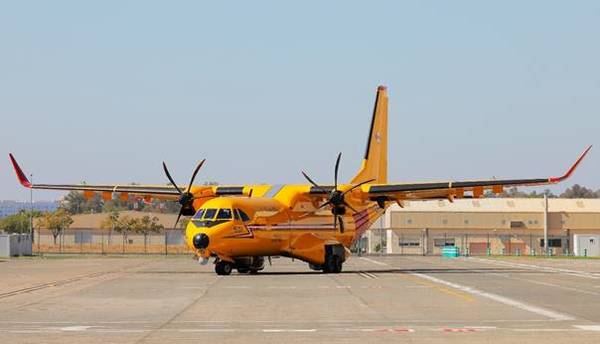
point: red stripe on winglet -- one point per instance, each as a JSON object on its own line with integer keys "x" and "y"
{"x": 20, "y": 175}
{"x": 572, "y": 169}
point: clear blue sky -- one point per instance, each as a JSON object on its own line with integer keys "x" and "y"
{"x": 105, "y": 91}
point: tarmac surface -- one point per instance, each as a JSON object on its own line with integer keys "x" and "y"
{"x": 376, "y": 299}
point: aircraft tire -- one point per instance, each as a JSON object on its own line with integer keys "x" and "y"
{"x": 333, "y": 265}
{"x": 223, "y": 268}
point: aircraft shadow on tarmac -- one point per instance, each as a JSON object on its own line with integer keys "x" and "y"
{"x": 358, "y": 271}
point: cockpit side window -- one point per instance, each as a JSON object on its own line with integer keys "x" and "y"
{"x": 236, "y": 215}
{"x": 224, "y": 214}
{"x": 243, "y": 215}
{"x": 198, "y": 215}
{"x": 209, "y": 214}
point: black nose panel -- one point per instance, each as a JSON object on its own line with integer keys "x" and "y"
{"x": 200, "y": 241}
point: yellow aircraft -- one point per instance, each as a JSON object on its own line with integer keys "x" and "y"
{"x": 316, "y": 223}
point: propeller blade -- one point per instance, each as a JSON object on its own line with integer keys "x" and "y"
{"x": 357, "y": 185}
{"x": 341, "y": 224}
{"x": 337, "y": 167}
{"x": 176, "y": 221}
{"x": 170, "y": 178}
{"x": 323, "y": 205}
{"x": 349, "y": 206}
{"x": 195, "y": 173}
{"x": 335, "y": 222}
{"x": 313, "y": 183}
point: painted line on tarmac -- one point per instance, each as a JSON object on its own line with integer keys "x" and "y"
{"x": 373, "y": 261}
{"x": 367, "y": 275}
{"x": 547, "y": 284}
{"x": 495, "y": 297}
{"x": 501, "y": 299}
{"x": 278, "y": 330}
{"x": 577, "y": 273}
{"x": 595, "y": 328}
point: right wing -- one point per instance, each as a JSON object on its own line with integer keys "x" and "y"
{"x": 144, "y": 191}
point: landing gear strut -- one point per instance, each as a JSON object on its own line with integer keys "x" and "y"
{"x": 223, "y": 268}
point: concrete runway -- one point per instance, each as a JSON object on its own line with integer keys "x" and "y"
{"x": 377, "y": 299}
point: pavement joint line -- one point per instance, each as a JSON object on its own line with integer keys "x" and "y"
{"x": 495, "y": 297}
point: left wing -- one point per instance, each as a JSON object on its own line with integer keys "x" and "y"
{"x": 458, "y": 189}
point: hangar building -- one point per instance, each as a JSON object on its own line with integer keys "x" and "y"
{"x": 500, "y": 225}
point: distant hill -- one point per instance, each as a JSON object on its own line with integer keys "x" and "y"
{"x": 13, "y": 207}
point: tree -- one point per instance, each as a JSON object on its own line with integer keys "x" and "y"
{"x": 56, "y": 221}
{"x": 76, "y": 203}
{"x": 146, "y": 225}
{"x": 578, "y": 191}
{"x": 19, "y": 222}
{"x": 114, "y": 222}
{"x": 513, "y": 192}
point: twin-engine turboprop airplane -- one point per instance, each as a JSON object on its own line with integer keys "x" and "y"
{"x": 316, "y": 223}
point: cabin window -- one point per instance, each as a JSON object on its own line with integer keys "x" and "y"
{"x": 224, "y": 214}
{"x": 243, "y": 215}
{"x": 209, "y": 214}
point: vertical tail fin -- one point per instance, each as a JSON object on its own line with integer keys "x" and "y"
{"x": 374, "y": 164}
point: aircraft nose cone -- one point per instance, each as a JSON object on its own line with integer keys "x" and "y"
{"x": 200, "y": 241}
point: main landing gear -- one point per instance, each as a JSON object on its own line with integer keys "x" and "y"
{"x": 333, "y": 265}
{"x": 334, "y": 259}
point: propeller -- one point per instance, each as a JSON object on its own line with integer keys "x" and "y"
{"x": 336, "y": 198}
{"x": 186, "y": 198}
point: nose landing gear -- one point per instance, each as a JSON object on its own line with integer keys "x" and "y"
{"x": 223, "y": 268}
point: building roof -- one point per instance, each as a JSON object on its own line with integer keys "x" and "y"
{"x": 493, "y": 205}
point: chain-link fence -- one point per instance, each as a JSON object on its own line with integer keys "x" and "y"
{"x": 108, "y": 242}
{"x": 375, "y": 241}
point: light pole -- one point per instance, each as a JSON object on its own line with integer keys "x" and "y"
{"x": 546, "y": 246}
{"x": 31, "y": 209}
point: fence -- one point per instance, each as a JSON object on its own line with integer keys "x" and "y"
{"x": 374, "y": 242}
{"x": 108, "y": 242}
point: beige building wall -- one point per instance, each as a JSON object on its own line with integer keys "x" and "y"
{"x": 510, "y": 226}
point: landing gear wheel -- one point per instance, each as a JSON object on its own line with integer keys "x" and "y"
{"x": 243, "y": 270}
{"x": 223, "y": 268}
{"x": 333, "y": 265}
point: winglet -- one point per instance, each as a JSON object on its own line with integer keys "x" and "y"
{"x": 572, "y": 169}
{"x": 20, "y": 175}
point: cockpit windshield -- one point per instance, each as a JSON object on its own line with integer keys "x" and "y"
{"x": 207, "y": 218}
{"x": 224, "y": 214}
